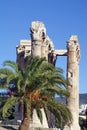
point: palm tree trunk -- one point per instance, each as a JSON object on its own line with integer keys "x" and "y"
{"x": 25, "y": 124}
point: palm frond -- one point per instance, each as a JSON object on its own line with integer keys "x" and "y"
{"x": 38, "y": 105}
{"x": 11, "y": 64}
{"x": 57, "y": 90}
{"x": 60, "y": 111}
{"x": 9, "y": 103}
{"x": 27, "y": 104}
{"x": 4, "y": 72}
{"x": 39, "y": 114}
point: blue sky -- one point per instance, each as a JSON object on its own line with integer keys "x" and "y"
{"x": 62, "y": 18}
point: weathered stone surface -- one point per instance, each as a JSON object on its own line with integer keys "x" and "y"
{"x": 1, "y": 128}
{"x": 44, "y": 129}
{"x": 60, "y": 52}
{"x": 35, "y": 122}
{"x": 42, "y": 45}
{"x": 73, "y": 58}
{"x": 38, "y": 31}
{"x": 22, "y": 51}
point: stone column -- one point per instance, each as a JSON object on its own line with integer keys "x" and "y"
{"x": 38, "y": 33}
{"x": 23, "y": 51}
{"x": 73, "y": 56}
{"x": 35, "y": 122}
{"x": 41, "y": 44}
{"x": 44, "y": 51}
{"x": 38, "y": 48}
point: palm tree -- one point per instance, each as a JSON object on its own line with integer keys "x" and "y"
{"x": 35, "y": 88}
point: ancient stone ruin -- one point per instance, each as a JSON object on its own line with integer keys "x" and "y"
{"x": 41, "y": 45}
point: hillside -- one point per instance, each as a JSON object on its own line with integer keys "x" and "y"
{"x": 82, "y": 99}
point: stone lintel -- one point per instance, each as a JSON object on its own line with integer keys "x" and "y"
{"x": 25, "y": 42}
{"x": 61, "y": 52}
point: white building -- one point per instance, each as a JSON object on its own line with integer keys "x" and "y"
{"x": 82, "y": 108}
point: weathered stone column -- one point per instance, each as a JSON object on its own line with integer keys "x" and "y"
{"x": 41, "y": 44}
{"x": 38, "y": 48}
{"x": 35, "y": 123}
{"x": 73, "y": 57}
{"x": 38, "y": 32}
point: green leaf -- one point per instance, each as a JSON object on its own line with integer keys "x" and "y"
{"x": 9, "y": 103}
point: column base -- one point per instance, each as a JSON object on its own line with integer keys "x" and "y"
{"x": 72, "y": 127}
